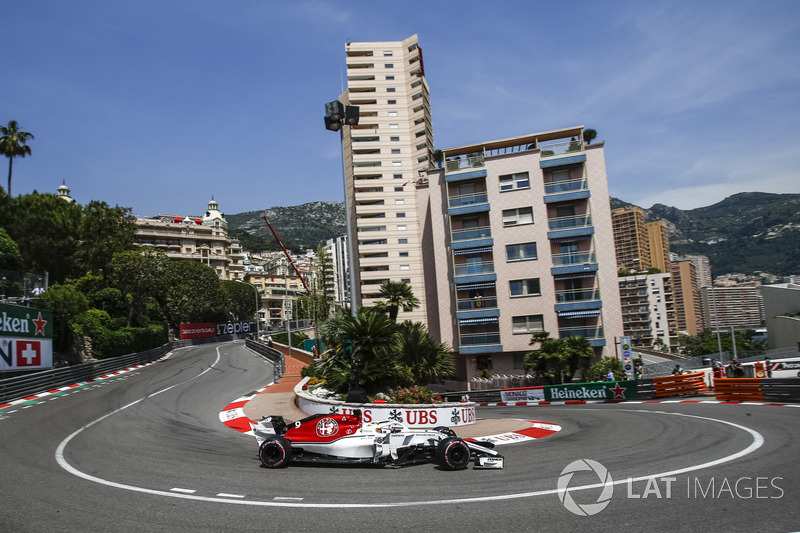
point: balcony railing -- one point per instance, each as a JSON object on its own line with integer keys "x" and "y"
{"x": 470, "y": 161}
{"x": 469, "y": 304}
{"x": 574, "y": 258}
{"x": 566, "y": 186}
{"x": 565, "y": 147}
{"x": 482, "y": 232}
{"x": 591, "y": 332}
{"x": 476, "y": 339}
{"x": 577, "y": 295}
{"x": 468, "y": 199}
{"x": 578, "y": 221}
{"x": 469, "y": 269}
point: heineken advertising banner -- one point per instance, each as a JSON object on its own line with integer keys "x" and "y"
{"x": 26, "y": 338}
{"x": 607, "y": 390}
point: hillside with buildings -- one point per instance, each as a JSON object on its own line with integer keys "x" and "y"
{"x": 744, "y": 233}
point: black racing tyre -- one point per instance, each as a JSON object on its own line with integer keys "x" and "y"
{"x": 275, "y": 452}
{"x": 446, "y": 430}
{"x": 452, "y": 454}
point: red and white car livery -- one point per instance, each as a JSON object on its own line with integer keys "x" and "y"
{"x": 344, "y": 438}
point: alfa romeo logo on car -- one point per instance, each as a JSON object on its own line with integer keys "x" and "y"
{"x": 327, "y": 427}
{"x": 586, "y": 509}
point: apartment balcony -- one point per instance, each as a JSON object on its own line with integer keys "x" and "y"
{"x": 468, "y": 203}
{"x": 577, "y": 300}
{"x": 561, "y": 153}
{"x": 571, "y": 226}
{"x": 562, "y": 191}
{"x": 594, "y": 334}
{"x": 574, "y": 263}
{"x": 479, "y": 335}
{"x": 476, "y": 304}
{"x": 471, "y": 237}
{"x": 462, "y": 168}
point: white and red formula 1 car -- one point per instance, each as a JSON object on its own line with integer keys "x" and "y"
{"x": 338, "y": 438}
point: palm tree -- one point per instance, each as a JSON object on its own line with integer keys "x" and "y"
{"x": 371, "y": 340}
{"x": 427, "y": 360}
{"x": 589, "y": 135}
{"x": 397, "y": 295}
{"x": 580, "y": 354}
{"x": 13, "y": 143}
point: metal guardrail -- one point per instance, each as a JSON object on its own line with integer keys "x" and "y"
{"x": 274, "y": 356}
{"x": 22, "y": 386}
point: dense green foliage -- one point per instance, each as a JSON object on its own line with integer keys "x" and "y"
{"x": 599, "y": 370}
{"x": 708, "y": 343}
{"x": 558, "y": 360}
{"x": 374, "y": 352}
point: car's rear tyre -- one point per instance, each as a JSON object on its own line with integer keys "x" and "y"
{"x": 275, "y": 452}
{"x": 446, "y": 430}
{"x": 452, "y": 454}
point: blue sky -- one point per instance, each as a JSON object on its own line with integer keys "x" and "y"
{"x": 160, "y": 105}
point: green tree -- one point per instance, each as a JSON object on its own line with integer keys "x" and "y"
{"x": 589, "y": 135}
{"x": 550, "y": 359}
{"x": 45, "y": 228}
{"x": 579, "y": 354}
{"x": 190, "y": 292}
{"x": 426, "y": 360}
{"x": 66, "y": 302}
{"x": 599, "y": 370}
{"x": 10, "y": 258}
{"x": 397, "y": 294}
{"x": 139, "y": 274}
{"x": 13, "y": 143}
{"x": 102, "y": 232}
{"x": 243, "y": 300}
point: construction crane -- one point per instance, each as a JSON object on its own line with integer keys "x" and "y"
{"x": 286, "y": 252}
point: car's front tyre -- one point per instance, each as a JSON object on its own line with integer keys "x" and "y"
{"x": 452, "y": 454}
{"x": 275, "y": 452}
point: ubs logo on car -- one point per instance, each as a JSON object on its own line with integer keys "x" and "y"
{"x": 327, "y": 427}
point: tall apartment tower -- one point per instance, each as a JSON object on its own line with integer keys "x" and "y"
{"x": 631, "y": 239}
{"x": 383, "y": 155}
{"x": 518, "y": 240}
{"x": 686, "y": 293}
{"x": 658, "y": 240}
{"x": 648, "y": 310}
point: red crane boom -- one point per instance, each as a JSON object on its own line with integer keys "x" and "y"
{"x": 289, "y": 257}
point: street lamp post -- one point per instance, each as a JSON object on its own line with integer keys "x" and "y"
{"x": 337, "y": 115}
{"x": 258, "y": 331}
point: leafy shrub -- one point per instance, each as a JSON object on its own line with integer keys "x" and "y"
{"x": 413, "y": 395}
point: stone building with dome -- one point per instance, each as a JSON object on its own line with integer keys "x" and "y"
{"x": 195, "y": 238}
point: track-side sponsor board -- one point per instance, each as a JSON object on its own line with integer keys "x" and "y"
{"x": 609, "y": 390}
{"x": 26, "y": 338}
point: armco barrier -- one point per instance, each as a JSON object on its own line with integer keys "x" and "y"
{"x": 692, "y": 383}
{"x": 738, "y": 389}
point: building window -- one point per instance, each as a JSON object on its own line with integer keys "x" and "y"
{"x": 392, "y": 113}
{"x": 525, "y": 287}
{"x": 389, "y": 65}
{"x": 402, "y": 241}
{"x": 398, "y": 189}
{"x": 405, "y": 267}
{"x": 395, "y": 150}
{"x": 398, "y": 176}
{"x": 527, "y": 324}
{"x": 401, "y": 215}
{"x": 405, "y": 280}
{"x": 403, "y": 254}
{"x": 402, "y": 228}
{"x": 399, "y": 201}
{"x": 397, "y": 163}
{"x": 390, "y": 89}
{"x": 394, "y": 126}
{"x": 394, "y": 139}
{"x": 387, "y": 53}
{"x": 391, "y": 102}
{"x": 521, "y": 252}
{"x": 389, "y": 78}
{"x": 520, "y": 180}
{"x": 517, "y": 217}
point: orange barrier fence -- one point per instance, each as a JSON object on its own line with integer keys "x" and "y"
{"x": 692, "y": 383}
{"x": 738, "y": 390}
